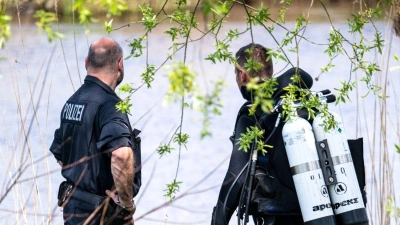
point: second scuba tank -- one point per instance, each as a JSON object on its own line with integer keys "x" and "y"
{"x": 307, "y": 175}
{"x": 346, "y": 196}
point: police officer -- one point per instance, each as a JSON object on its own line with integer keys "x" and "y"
{"x": 93, "y": 144}
{"x": 229, "y": 195}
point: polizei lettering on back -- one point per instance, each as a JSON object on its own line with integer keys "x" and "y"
{"x": 73, "y": 112}
{"x": 335, "y": 205}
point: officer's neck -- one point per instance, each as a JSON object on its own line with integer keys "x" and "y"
{"x": 108, "y": 79}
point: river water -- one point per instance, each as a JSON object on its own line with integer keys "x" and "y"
{"x": 50, "y": 72}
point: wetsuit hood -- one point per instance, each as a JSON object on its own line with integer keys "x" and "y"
{"x": 283, "y": 81}
{"x": 246, "y": 94}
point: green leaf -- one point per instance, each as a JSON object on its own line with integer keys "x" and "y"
{"x": 5, "y": 28}
{"x": 162, "y": 150}
{"x": 343, "y": 92}
{"x": 252, "y": 65}
{"x": 396, "y": 58}
{"x": 379, "y": 42}
{"x": 108, "y": 26}
{"x": 182, "y": 81}
{"x": 223, "y": 7}
{"x": 276, "y": 55}
{"x": 206, "y": 6}
{"x": 136, "y": 48}
{"x": 246, "y": 139}
{"x": 114, "y": 7}
{"x": 85, "y": 18}
{"x": 397, "y": 148}
{"x": 148, "y": 75}
{"x": 181, "y": 139}
{"x": 173, "y": 32}
{"x": 358, "y": 22}
{"x": 149, "y": 18}
{"x": 209, "y": 105}
{"x": 282, "y": 13}
{"x": 181, "y": 2}
{"x": 124, "y": 105}
{"x": 232, "y": 34}
{"x": 327, "y": 68}
{"x": 222, "y": 53}
{"x": 392, "y": 209}
{"x": 126, "y": 88}
{"x": 261, "y": 15}
{"x": 43, "y": 23}
{"x": 335, "y": 43}
{"x": 172, "y": 189}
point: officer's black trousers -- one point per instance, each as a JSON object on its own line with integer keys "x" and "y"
{"x": 76, "y": 212}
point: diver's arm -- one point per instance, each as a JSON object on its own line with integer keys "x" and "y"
{"x": 238, "y": 160}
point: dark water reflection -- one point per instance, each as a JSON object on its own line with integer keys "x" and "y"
{"x": 34, "y": 64}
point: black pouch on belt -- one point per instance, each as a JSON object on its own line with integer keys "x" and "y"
{"x": 63, "y": 192}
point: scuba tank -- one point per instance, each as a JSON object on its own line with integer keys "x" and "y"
{"x": 346, "y": 196}
{"x": 307, "y": 175}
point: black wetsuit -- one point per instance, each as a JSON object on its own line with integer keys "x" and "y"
{"x": 286, "y": 209}
{"x": 237, "y": 163}
{"x": 277, "y": 161}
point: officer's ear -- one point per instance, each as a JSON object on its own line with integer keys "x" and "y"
{"x": 86, "y": 63}
{"x": 121, "y": 64}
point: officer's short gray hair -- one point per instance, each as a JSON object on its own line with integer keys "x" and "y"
{"x": 104, "y": 56}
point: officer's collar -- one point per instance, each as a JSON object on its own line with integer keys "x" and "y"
{"x": 93, "y": 79}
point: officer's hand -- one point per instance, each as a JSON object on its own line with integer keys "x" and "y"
{"x": 130, "y": 209}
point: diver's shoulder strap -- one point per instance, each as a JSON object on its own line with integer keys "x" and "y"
{"x": 244, "y": 109}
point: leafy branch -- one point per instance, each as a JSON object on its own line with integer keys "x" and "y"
{"x": 114, "y": 7}
{"x": 343, "y": 92}
{"x": 124, "y": 105}
{"x": 181, "y": 79}
{"x": 253, "y": 135}
{"x": 356, "y": 26}
{"x": 392, "y": 209}
{"x": 210, "y": 104}
{"x": 172, "y": 189}
{"x": 45, "y": 19}
{"x": 85, "y": 14}
{"x": 262, "y": 94}
{"x": 5, "y": 28}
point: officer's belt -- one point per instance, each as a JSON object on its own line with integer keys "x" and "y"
{"x": 87, "y": 197}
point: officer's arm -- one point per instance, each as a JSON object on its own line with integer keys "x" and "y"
{"x": 55, "y": 147}
{"x": 122, "y": 169}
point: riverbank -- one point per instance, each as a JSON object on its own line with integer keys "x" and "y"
{"x": 25, "y": 10}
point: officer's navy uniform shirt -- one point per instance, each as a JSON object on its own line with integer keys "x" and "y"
{"x": 91, "y": 128}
